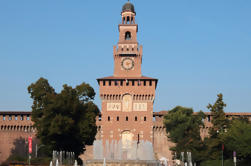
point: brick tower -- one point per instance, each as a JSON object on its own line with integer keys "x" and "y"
{"x": 127, "y": 96}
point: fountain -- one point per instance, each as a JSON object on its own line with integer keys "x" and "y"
{"x": 115, "y": 153}
{"x": 62, "y": 157}
{"x": 75, "y": 163}
{"x": 104, "y": 163}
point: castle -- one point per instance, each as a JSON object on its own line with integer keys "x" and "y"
{"x": 127, "y": 120}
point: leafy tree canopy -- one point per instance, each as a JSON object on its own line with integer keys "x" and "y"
{"x": 238, "y": 139}
{"x": 183, "y": 128}
{"x": 66, "y": 120}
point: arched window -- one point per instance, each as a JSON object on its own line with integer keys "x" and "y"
{"x": 128, "y": 20}
{"x": 128, "y": 35}
{"x": 127, "y": 103}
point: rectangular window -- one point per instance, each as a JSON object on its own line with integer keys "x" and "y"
{"x": 127, "y": 82}
{"x": 127, "y": 118}
{"x": 15, "y": 117}
{"x": 110, "y": 83}
{"x": 28, "y": 117}
{"x": 21, "y": 117}
{"x": 10, "y": 118}
{"x": 109, "y": 118}
{"x": 208, "y": 118}
{"x": 117, "y": 118}
{"x": 136, "y": 118}
{"x": 103, "y": 83}
{"x": 116, "y": 83}
{"x": 121, "y": 83}
{"x": 145, "y": 118}
{"x": 132, "y": 83}
{"x": 150, "y": 82}
{"x": 144, "y": 83}
{"x": 3, "y": 117}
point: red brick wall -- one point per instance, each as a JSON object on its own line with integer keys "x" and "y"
{"x": 12, "y": 129}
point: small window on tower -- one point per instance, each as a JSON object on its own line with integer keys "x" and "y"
{"x": 103, "y": 83}
{"x": 110, "y": 83}
{"x": 145, "y": 118}
{"x": 128, "y": 35}
{"x": 109, "y": 118}
{"x": 121, "y": 83}
{"x": 128, "y": 20}
{"x": 136, "y": 118}
{"x": 127, "y": 118}
{"x": 123, "y": 20}
{"x": 117, "y": 118}
{"x": 127, "y": 82}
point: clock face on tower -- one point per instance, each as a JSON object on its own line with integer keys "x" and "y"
{"x": 127, "y": 63}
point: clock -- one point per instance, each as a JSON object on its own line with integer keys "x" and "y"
{"x": 127, "y": 63}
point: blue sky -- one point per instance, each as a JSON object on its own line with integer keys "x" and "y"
{"x": 195, "y": 48}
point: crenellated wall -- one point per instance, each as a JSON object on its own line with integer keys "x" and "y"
{"x": 14, "y": 125}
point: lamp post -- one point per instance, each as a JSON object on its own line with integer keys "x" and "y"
{"x": 222, "y": 162}
{"x": 234, "y": 154}
{"x": 222, "y": 147}
{"x": 137, "y": 148}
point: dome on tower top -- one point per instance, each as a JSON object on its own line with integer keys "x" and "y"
{"x": 128, "y": 7}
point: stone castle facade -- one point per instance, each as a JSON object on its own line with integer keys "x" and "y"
{"x": 15, "y": 125}
{"x": 127, "y": 117}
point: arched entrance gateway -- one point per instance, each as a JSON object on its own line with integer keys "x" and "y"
{"x": 127, "y": 144}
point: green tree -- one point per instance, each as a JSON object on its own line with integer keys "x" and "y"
{"x": 219, "y": 126}
{"x": 66, "y": 120}
{"x": 238, "y": 139}
{"x": 183, "y": 128}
